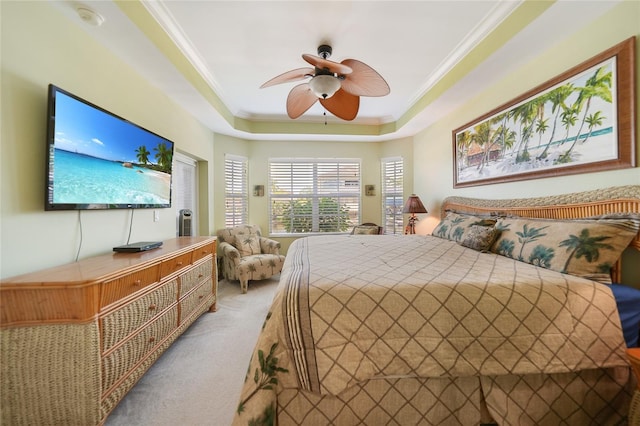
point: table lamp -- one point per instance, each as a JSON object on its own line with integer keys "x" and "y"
{"x": 413, "y": 206}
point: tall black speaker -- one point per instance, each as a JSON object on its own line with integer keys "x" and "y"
{"x": 184, "y": 223}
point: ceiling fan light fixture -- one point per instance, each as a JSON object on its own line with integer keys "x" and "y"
{"x": 324, "y": 86}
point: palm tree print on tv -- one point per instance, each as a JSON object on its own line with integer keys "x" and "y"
{"x": 570, "y": 124}
{"x": 163, "y": 158}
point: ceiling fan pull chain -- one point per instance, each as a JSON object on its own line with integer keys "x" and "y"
{"x": 325, "y": 117}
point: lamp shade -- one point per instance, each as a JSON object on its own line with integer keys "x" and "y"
{"x": 324, "y": 86}
{"x": 414, "y": 205}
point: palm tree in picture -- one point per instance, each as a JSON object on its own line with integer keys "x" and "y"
{"x": 557, "y": 97}
{"x": 592, "y": 120}
{"x": 584, "y": 245}
{"x": 541, "y": 127}
{"x": 143, "y": 154}
{"x": 463, "y": 142}
{"x": 528, "y": 235}
{"x": 569, "y": 117}
{"x": 598, "y": 85}
{"x": 526, "y": 115}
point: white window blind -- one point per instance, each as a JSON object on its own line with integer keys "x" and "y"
{"x": 313, "y": 195}
{"x": 236, "y": 198}
{"x": 185, "y": 188}
{"x": 392, "y": 194}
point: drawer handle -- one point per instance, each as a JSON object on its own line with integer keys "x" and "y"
{"x": 205, "y": 251}
{"x": 179, "y": 263}
{"x": 152, "y": 339}
{"x": 200, "y": 275}
{"x": 153, "y": 307}
{"x": 137, "y": 283}
{"x": 200, "y": 297}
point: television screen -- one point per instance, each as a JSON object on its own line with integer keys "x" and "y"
{"x": 97, "y": 160}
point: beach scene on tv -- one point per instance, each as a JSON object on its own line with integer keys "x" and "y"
{"x": 101, "y": 159}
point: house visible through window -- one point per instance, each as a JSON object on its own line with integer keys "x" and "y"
{"x": 236, "y": 201}
{"x": 185, "y": 190}
{"x": 314, "y": 195}
{"x": 392, "y": 195}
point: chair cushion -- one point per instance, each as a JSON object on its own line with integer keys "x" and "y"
{"x": 247, "y": 245}
{"x": 366, "y": 230}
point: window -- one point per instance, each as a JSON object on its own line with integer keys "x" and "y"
{"x": 392, "y": 195}
{"x": 185, "y": 188}
{"x": 313, "y": 195}
{"x": 236, "y": 199}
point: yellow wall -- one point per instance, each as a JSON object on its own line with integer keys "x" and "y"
{"x": 433, "y": 147}
{"x": 259, "y": 153}
{"x": 40, "y": 46}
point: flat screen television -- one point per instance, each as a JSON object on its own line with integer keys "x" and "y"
{"x": 98, "y": 160}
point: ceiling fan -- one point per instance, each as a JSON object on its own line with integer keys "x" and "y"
{"x": 338, "y": 86}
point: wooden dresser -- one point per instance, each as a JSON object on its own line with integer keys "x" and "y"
{"x": 76, "y": 338}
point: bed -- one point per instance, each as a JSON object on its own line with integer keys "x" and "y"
{"x": 454, "y": 328}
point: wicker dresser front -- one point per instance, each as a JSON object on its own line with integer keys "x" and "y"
{"x": 76, "y": 338}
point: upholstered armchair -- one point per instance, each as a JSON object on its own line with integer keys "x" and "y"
{"x": 246, "y": 255}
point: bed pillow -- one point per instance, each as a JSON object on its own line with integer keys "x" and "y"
{"x": 583, "y": 247}
{"x": 454, "y": 226}
{"x": 479, "y": 237}
{"x": 247, "y": 245}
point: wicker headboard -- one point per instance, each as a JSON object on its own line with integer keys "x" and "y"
{"x": 619, "y": 199}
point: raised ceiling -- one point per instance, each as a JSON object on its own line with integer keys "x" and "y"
{"x": 211, "y": 57}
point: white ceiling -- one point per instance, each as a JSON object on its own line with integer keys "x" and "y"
{"x": 235, "y": 46}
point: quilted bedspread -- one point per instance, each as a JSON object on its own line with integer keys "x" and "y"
{"x": 352, "y": 309}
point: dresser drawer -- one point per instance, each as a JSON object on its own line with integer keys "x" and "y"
{"x": 118, "y": 363}
{"x": 192, "y": 278}
{"x": 191, "y": 301}
{"x": 209, "y": 249}
{"x": 120, "y": 323}
{"x": 172, "y": 265}
{"x": 113, "y": 291}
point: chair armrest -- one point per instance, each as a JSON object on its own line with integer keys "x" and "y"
{"x": 230, "y": 252}
{"x": 269, "y": 246}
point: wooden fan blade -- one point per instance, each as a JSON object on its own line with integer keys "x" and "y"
{"x": 364, "y": 80}
{"x": 300, "y": 99}
{"x": 293, "y": 75}
{"x": 342, "y": 104}
{"x": 333, "y": 67}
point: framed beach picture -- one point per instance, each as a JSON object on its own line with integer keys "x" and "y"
{"x": 580, "y": 121}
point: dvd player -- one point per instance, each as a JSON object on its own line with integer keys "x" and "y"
{"x": 137, "y": 247}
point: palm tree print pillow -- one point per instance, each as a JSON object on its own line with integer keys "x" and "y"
{"x": 455, "y": 226}
{"x": 583, "y": 247}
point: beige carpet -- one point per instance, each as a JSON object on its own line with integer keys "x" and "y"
{"x": 197, "y": 381}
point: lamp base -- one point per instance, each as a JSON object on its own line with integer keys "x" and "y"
{"x": 411, "y": 227}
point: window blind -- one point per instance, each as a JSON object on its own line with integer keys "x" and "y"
{"x": 236, "y": 198}
{"x": 392, "y": 194}
{"x": 313, "y": 196}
